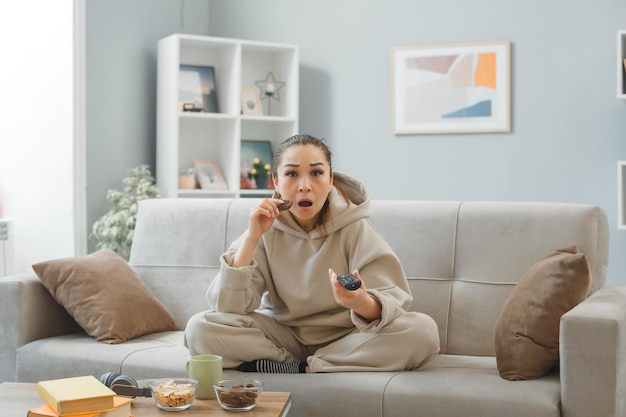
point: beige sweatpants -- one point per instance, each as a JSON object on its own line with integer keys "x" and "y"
{"x": 408, "y": 342}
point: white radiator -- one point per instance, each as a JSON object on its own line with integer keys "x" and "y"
{"x": 6, "y": 247}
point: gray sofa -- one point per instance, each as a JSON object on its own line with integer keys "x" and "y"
{"x": 462, "y": 259}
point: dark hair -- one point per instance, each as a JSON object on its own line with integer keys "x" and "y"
{"x": 301, "y": 140}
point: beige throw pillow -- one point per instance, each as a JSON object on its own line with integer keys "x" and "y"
{"x": 527, "y": 331}
{"x": 105, "y": 296}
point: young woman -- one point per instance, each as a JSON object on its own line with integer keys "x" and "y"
{"x": 277, "y": 305}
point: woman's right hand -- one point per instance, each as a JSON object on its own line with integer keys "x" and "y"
{"x": 262, "y": 216}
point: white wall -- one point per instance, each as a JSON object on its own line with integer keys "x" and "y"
{"x": 37, "y": 144}
{"x": 38, "y": 151}
{"x": 36, "y": 128}
{"x": 569, "y": 130}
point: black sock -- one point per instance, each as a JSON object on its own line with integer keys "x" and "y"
{"x": 271, "y": 367}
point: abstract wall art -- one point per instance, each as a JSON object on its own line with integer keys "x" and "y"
{"x": 453, "y": 88}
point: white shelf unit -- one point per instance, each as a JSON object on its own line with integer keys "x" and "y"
{"x": 184, "y": 136}
{"x": 621, "y": 71}
{"x": 621, "y": 195}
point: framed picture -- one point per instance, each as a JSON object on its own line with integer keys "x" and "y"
{"x": 256, "y": 158}
{"x": 251, "y": 102}
{"x": 209, "y": 175}
{"x": 196, "y": 89}
{"x": 455, "y": 88}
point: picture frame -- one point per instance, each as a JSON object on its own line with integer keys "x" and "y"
{"x": 197, "y": 89}
{"x": 209, "y": 175}
{"x": 251, "y": 102}
{"x": 451, "y": 88}
{"x": 251, "y": 149}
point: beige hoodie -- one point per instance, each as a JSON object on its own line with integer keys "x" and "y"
{"x": 289, "y": 274}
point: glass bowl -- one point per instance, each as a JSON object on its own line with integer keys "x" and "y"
{"x": 238, "y": 394}
{"x": 173, "y": 394}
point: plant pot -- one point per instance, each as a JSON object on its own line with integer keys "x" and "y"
{"x": 262, "y": 183}
{"x": 186, "y": 182}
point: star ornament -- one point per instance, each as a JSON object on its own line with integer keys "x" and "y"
{"x": 270, "y": 88}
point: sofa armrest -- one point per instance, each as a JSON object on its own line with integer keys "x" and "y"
{"x": 28, "y": 313}
{"x": 593, "y": 355}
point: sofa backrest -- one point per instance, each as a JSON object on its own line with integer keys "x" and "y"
{"x": 462, "y": 259}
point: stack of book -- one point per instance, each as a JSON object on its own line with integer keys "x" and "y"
{"x": 82, "y": 396}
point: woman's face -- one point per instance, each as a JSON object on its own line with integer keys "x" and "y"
{"x": 304, "y": 177}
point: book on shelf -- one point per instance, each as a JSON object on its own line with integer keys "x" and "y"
{"x": 76, "y": 395}
{"x": 121, "y": 404}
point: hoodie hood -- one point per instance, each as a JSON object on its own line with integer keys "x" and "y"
{"x": 342, "y": 212}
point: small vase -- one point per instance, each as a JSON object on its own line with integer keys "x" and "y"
{"x": 247, "y": 184}
{"x": 186, "y": 182}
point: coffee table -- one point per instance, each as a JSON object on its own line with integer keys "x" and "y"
{"x": 17, "y": 398}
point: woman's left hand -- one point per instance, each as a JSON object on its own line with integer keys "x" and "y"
{"x": 358, "y": 300}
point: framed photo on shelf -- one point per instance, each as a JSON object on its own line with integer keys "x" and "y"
{"x": 251, "y": 102}
{"x": 196, "y": 89}
{"x": 209, "y": 175}
{"x": 454, "y": 88}
{"x": 256, "y": 157}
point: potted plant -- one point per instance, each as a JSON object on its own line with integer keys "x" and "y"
{"x": 115, "y": 229}
{"x": 260, "y": 174}
{"x": 187, "y": 179}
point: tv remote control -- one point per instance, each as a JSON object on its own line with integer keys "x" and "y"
{"x": 349, "y": 282}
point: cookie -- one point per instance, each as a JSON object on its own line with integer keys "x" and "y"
{"x": 286, "y": 204}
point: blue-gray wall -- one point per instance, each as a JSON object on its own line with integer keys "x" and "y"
{"x": 121, "y": 57}
{"x": 568, "y": 128}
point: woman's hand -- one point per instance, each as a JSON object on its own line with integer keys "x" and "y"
{"x": 358, "y": 300}
{"x": 262, "y": 216}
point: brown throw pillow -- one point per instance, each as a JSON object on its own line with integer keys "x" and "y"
{"x": 105, "y": 296}
{"x": 527, "y": 331}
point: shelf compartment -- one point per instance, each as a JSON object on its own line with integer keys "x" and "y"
{"x": 209, "y": 139}
{"x": 258, "y": 61}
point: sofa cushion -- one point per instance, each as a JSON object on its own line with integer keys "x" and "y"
{"x": 527, "y": 331}
{"x": 469, "y": 386}
{"x": 78, "y": 354}
{"x": 105, "y": 296}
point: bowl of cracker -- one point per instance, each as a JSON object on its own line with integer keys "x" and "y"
{"x": 173, "y": 394}
{"x": 238, "y": 394}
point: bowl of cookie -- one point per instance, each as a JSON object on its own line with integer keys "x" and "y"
{"x": 238, "y": 394}
{"x": 174, "y": 394}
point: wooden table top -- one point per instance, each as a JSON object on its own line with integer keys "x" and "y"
{"x": 17, "y": 398}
